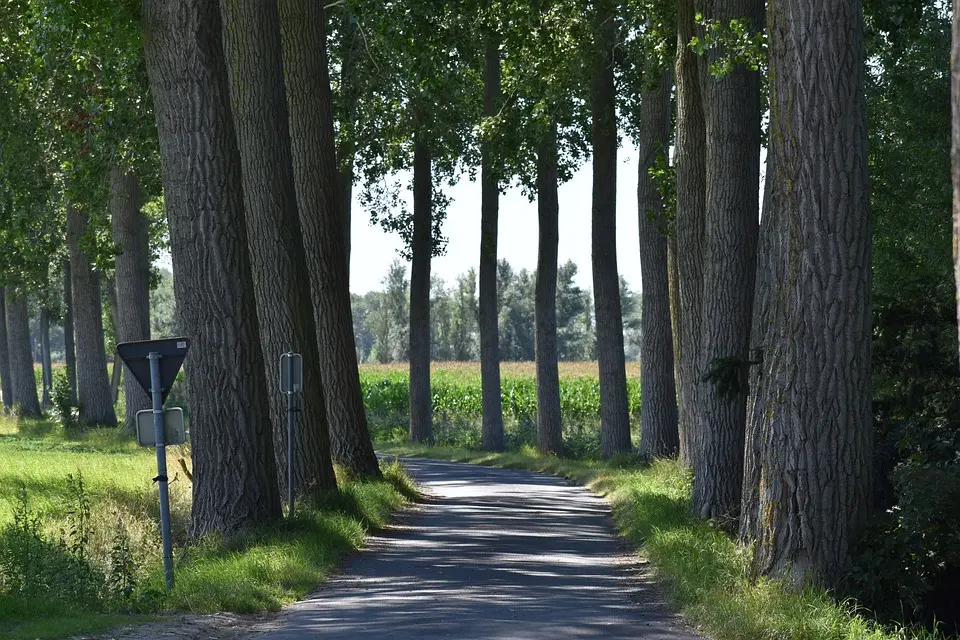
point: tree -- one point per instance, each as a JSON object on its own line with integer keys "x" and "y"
{"x": 212, "y": 274}
{"x": 6, "y": 384}
{"x": 319, "y": 194}
{"x": 809, "y": 429}
{"x": 955, "y": 146}
{"x": 516, "y": 312}
{"x": 690, "y": 170}
{"x": 658, "y": 421}
{"x": 21, "y": 355}
{"x": 93, "y": 385}
{"x": 131, "y": 235}
{"x": 464, "y": 340}
{"x": 491, "y": 437}
{"x": 251, "y": 34}
{"x": 549, "y": 418}
{"x": 575, "y": 335}
{"x": 69, "y": 347}
{"x": 731, "y": 106}
{"x": 421, "y": 250}
{"x": 614, "y": 414}
{"x": 46, "y": 366}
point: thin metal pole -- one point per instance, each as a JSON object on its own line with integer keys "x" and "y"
{"x": 290, "y": 411}
{"x": 157, "y": 394}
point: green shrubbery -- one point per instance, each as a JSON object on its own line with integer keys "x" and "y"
{"x": 457, "y": 407}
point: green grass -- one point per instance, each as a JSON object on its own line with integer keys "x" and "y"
{"x": 254, "y": 571}
{"x": 705, "y": 572}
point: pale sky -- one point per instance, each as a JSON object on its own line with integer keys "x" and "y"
{"x": 374, "y": 249}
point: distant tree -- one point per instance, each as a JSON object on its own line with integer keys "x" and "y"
{"x": 575, "y": 337}
{"x": 464, "y": 339}
{"x": 441, "y": 324}
{"x": 516, "y": 289}
{"x": 363, "y": 336}
{"x": 163, "y": 307}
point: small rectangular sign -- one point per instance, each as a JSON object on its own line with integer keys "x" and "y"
{"x": 174, "y": 431}
{"x": 291, "y": 373}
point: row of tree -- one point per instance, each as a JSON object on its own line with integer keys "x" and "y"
{"x": 380, "y": 318}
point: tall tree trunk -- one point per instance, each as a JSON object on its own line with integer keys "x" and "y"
{"x": 280, "y": 273}
{"x": 673, "y": 283}
{"x": 689, "y": 161}
{"x": 319, "y": 196}
{"x": 6, "y": 385}
{"x": 213, "y": 284}
{"x": 110, "y": 286}
{"x": 69, "y": 348}
{"x": 955, "y": 146}
{"x": 21, "y": 356}
{"x": 614, "y": 412}
{"x": 658, "y": 426}
{"x": 421, "y": 407}
{"x": 131, "y": 235}
{"x": 349, "y": 100}
{"x": 93, "y": 385}
{"x": 45, "y": 363}
{"x": 809, "y": 422}
{"x": 549, "y": 418}
{"x": 731, "y": 107}
{"x": 492, "y": 431}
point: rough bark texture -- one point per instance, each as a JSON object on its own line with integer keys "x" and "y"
{"x": 731, "y": 107}
{"x": 549, "y": 418}
{"x": 348, "y": 124}
{"x": 955, "y": 145}
{"x": 614, "y": 411}
{"x": 131, "y": 235}
{"x": 690, "y": 145}
{"x": 421, "y": 407}
{"x": 234, "y": 471}
{"x": 93, "y": 385}
{"x": 45, "y": 364}
{"x": 280, "y": 274}
{"x": 658, "y": 425}
{"x": 809, "y": 422}
{"x": 110, "y": 289}
{"x": 673, "y": 283}
{"x": 491, "y": 437}
{"x": 70, "y": 353}
{"x": 318, "y": 193}
{"x": 21, "y": 356}
{"x": 6, "y": 386}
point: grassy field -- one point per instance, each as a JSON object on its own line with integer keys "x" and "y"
{"x": 707, "y": 574}
{"x": 457, "y": 403}
{"x": 85, "y": 557}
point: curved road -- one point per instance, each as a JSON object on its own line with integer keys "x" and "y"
{"x": 493, "y": 554}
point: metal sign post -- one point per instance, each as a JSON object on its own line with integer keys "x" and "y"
{"x": 154, "y": 364}
{"x": 291, "y": 382}
{"x": 156, "y": 391}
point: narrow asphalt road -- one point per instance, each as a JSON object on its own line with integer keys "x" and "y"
{"x": 492, "y": 554}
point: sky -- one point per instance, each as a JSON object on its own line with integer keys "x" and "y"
{"x": 373, "y": 249}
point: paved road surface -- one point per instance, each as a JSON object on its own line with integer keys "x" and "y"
{"x": 495, "y": 554}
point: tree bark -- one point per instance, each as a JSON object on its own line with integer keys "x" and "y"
{"x": 21, "y": 356}
{"x": 673, "y": 283}
{"x": 45, "y": 364}
{"x": 549, "y": 418}
{"x": 6, "y": 384}
{"x": 131, "y": 235}
{"x": 809, "y": 424}
{"x": 491, "y": 438}
{"x": 319, "y": 196}
{"x": 348, "y": 123}
{"x": 955, "y": 146}
{"x": 421, "y": 406}
{"x": 689, "y": 162}
{"x": 110, "y": 286}
{"x": 234, "y": 469}
{"x": 69, "y": 348}
{"x": 280, "y": 273}
{"x": 658, "y": 424}
{"x": 731, "y": 106}
{"x": 93, "y": 385}
{"x": 614, "y": 412}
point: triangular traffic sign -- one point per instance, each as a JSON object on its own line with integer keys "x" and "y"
{"x": 172, "y": 352}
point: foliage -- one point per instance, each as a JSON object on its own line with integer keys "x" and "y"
{"x": 737, "y": 42}
{"x": 64, "y": 413}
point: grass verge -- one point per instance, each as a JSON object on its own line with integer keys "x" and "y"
{"x": 81, "y": 559}
{"x": 705, "y": 572}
